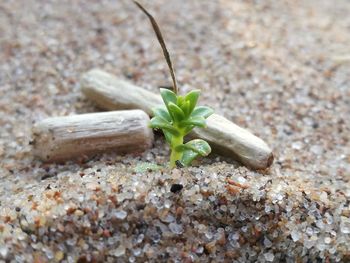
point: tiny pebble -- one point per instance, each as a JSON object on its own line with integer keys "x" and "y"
{"x": 176, "y": 228}
{"x": 175, "y": 188}
{"x": 121, "y": 214}
{"x": 269, "y": 256}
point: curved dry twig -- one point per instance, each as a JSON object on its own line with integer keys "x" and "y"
{"x": 162, "y": 44}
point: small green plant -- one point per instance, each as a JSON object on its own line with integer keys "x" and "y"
{"x": 179, "y": 115}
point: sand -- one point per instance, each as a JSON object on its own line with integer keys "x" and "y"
{"x": 278, "y": 68}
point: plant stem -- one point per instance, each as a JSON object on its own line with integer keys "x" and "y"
{"x": 175, "y": 155}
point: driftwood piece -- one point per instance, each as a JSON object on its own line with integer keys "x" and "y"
{"x": 69, "y": 137}
{"x": 111, "y": 93}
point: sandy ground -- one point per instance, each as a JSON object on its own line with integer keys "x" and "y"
{"x": 278, "y": 68}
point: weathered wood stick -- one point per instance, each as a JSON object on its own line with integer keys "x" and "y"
{"x": 64, "y": 138}
{"x": 111, "y": 93}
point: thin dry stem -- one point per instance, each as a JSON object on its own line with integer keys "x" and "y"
{"x": 162, "y": 44}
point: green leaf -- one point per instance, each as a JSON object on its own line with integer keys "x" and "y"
{"x": 192, "y": 97}
{"x": 159, "y": 123}
{"x": 180, "y": 100}
{"x": 197, "y": 145}
{"x": 197, "y": 121}
{"x": 188, "y": 129}
{"x": 146, "y": 167}
{"x": 192, "y": 150}
{"x": 162, "y": 113}
{"x": 186, "y": 108}
{"x": 168, "y": 96}
{"x": 168, "y": 136}
{"x": 176, "y": 112}
{"x": 187, "y": 157}
{"x": 202, "y": 111}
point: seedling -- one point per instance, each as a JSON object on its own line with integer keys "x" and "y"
{"x": 179, "y": 115}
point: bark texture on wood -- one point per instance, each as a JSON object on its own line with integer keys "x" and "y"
{"x": 226, "y": 138}
{"x": 229, "y": 139}
{"x": 69, "y": 137}
{"x": 111, "y": 93}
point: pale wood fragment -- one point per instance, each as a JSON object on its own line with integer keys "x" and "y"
{"x": 76, "y": 136}
{"x": 111, "y": 93}
{"x": 227, "y": 138}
